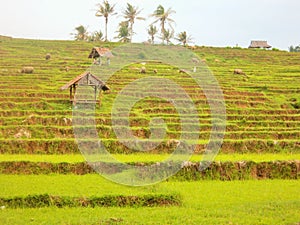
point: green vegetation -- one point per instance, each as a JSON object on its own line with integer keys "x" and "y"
{"x": 184, "y": 38}
{"x": 163, "y": 17}
{"x": 82, "y": 33}
{"x": 294, "y": 49}
{"x": 152, "y": 31}
{"x": 36, "y": 118}
{"x": 140, "y": 157}
{"x": 105, "y": 10}
{"x": 123, "y": 32}
{"x": 125, "y": 29}
{"x": 130, "y": 14}
{"x": 188, "y": 171}
{"x": 263, "y": 121}
{"x": 213, "y": 202}
{"x": 40, "y": 201}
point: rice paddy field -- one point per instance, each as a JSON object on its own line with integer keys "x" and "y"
{"x": 44, "y": 179}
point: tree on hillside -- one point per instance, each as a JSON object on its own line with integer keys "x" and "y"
{"x": 81, "y": 33}
{"x": 131, "y": 14}
{"x": 294, "y": 49}
{"x": 184, "y": 38}
{"x": 96, "y": 36}
{"x": 168, "y": 35}
{"x": 152, "y": 31}
{"x": 105, "y": 10}
{"x": 163, "y": 17}
{"x": 123, "y": 32}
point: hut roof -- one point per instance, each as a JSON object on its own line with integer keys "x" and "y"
{"x": 77, "y": 79}
{"x": 100, "y": 52}
{"x": 259, "y": 44}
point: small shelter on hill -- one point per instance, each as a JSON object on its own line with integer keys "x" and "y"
{"x": 259, "y": 44}
{"x": 98, "y": 53}
{"x": 88, "y": 80}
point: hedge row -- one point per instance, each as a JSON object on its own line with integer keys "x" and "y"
{"x": 39, "y": 201}
{"x": 69, "y": 146}
{"x": 243, "y": 170}
{"x": 187, "y": 171}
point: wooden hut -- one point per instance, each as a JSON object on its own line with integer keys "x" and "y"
{"x": 88, "y": 80}
{"x": 260, "y": 44}
{"x": 98, "y": 53}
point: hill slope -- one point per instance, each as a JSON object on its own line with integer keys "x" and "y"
{"x": 262, "y": 107}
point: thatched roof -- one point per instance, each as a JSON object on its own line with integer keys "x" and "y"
{"x": 87, "y": 78}
{"x": 100, "y": 52}
{"x": 259, "y": 44}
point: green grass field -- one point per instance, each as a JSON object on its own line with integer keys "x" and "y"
{"x": 149, "y": 157}
{"x": 213, "y": 202}
{"x": 263, "y": 120}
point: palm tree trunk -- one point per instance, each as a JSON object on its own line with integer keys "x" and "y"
{"x": 131, "y": 31}
{"x": 163, "y": 30}
{"x": 106, "y": 22}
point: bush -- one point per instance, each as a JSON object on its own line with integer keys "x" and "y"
{"x": 243, "y": 170}
{"x": 45, "y": 200}
{"x": 142, "y": 55}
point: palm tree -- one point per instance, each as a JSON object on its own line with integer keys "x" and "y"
{"x": 152, "y": 31}
{"x": 105, "y": 10}
{"x": 294, "y": 49}
{"x": 131, "y": 14}
{"x": 183, "y": 38}
{"x": 81, "y": 34}
{"x": 291, "y": 48}
{"x": 96, "y": 36}
{"x": 164, "y": 17}
{"x": 168, "y": 35}
{"x": 123, "y": 32}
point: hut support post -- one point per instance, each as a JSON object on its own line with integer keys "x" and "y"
{"x": 96, "y": 95}
{"x": 71, "y": 97}
{"x": 74, "y": 92}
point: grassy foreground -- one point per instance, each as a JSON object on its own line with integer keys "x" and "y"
{"x": 74, "y": 158}
{"x": 205, "y": 202}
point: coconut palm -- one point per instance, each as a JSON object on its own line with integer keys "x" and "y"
{"x": 96, "y": 36}
{"x": 152, "y": 31}
{"x": 130, "y": 15}
{"x": 168, "y": 35}
{"x": 123, "y": 32}
{"x": 81, "y": 33}
{"x": 294, "y": 49}
{"x": 105, "y": 10}
{"x": 183, "y": 38}
{"x": 163, "y": 17}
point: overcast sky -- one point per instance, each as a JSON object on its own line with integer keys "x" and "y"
{"x": 210, "y": 22}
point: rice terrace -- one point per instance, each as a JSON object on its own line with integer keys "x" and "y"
{"x": 51, "y": 171}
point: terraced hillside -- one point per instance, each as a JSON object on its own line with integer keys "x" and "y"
{"x": 45, "y": 180}
{"x": 262, "y": 106}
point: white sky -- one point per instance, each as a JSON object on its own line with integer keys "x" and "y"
{"x": 210, "y": 22}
